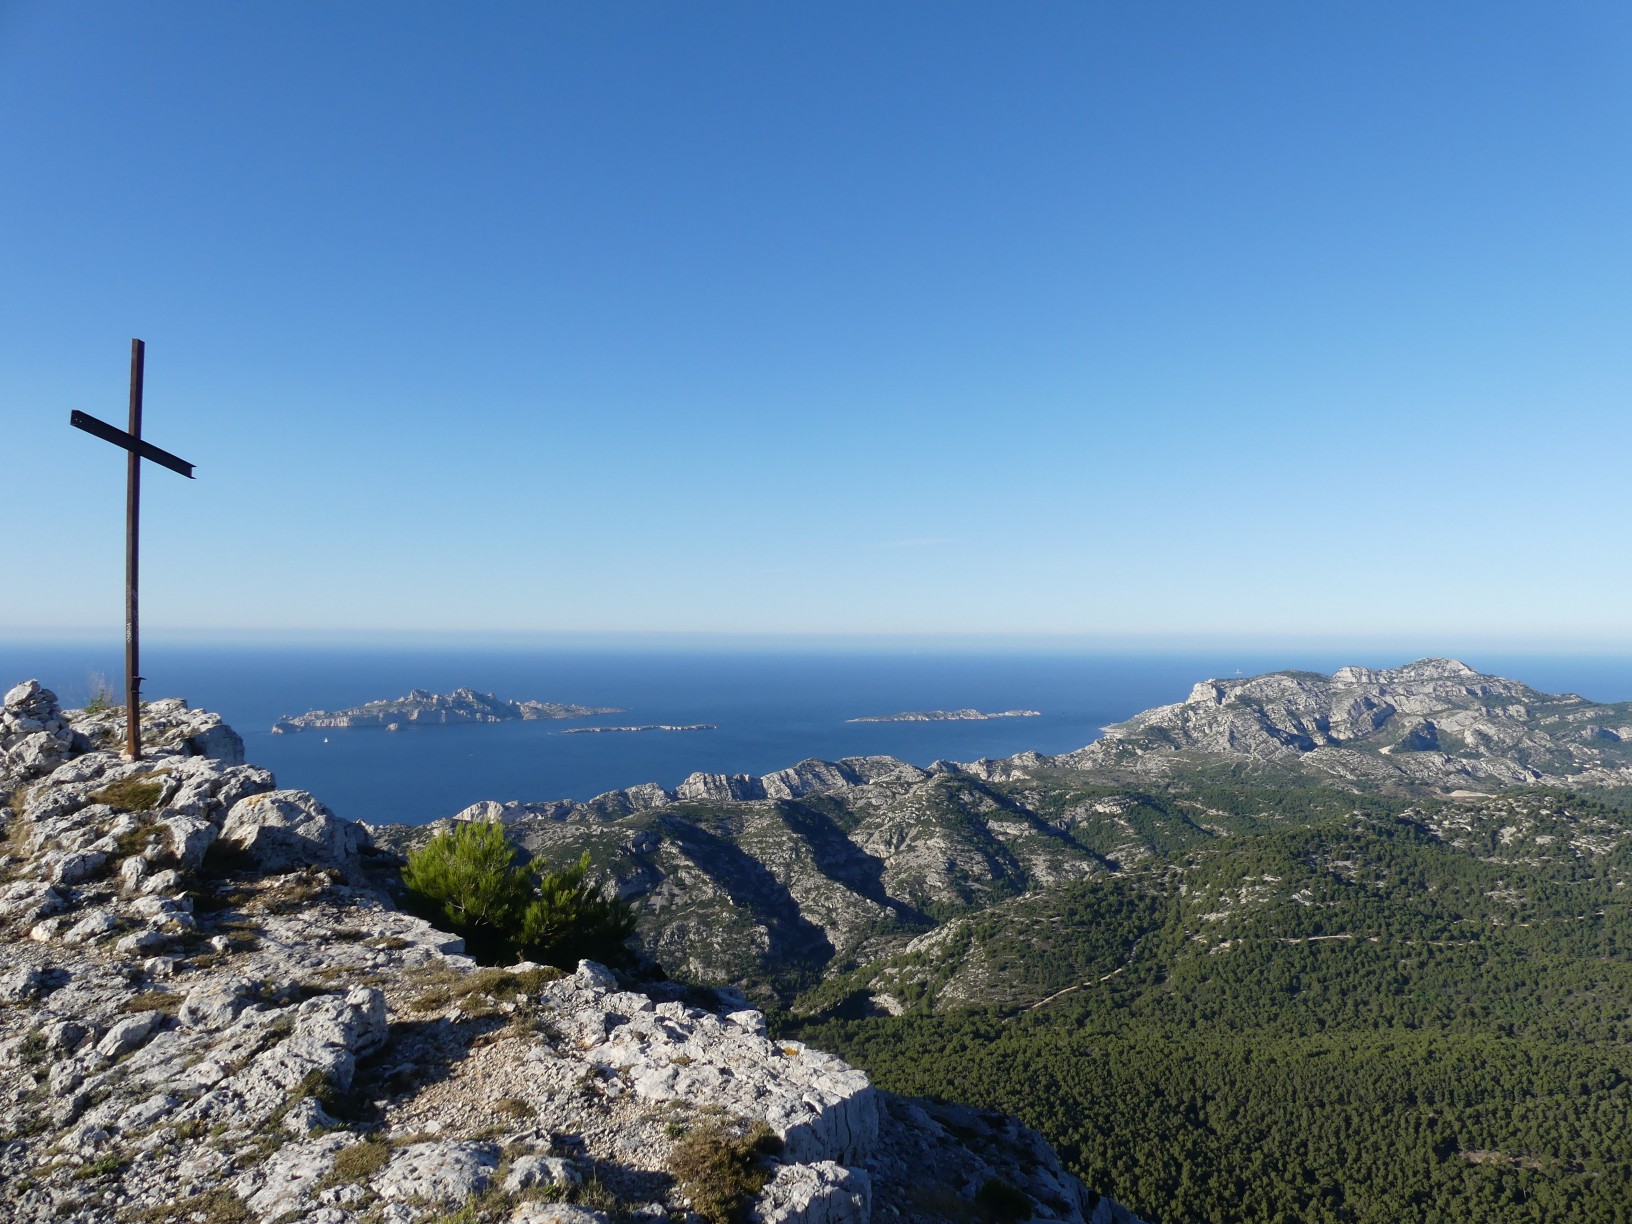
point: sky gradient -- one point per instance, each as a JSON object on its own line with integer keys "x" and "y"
{"x": 1086, "y": 319}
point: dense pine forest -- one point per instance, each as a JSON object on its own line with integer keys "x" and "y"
{"x": 1342, "y": 1010}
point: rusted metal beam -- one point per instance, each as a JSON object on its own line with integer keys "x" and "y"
{"x": 133, "y": 509}
{"x": 137, "y": 450}
{"x": 108, "y": 433}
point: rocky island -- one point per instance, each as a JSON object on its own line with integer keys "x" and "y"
{"x": 216, "y": 1010}
{"x": 463, "y": 705}
{"x": 646, "y": 727}
{"x": 945, "y": 716}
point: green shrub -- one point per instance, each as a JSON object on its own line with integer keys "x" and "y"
{"x": 1003, "y": 1201}
{"x": 104, "y": 1166}
{"x": 571, "y": 919}
{"x": 469, "y": 875}
{"x": 468, "y": 880}
{"x": 101, "y": 693}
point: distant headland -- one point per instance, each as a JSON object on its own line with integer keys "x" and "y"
{"x": 945, "y": 716}
{"x": 463, "y": 705}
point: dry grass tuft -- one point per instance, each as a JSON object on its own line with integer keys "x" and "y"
{"x": 721, "y": 1166}
{"x": 134, "y": 794}
{"x": 358, "y": 1163}
{"x": 154, "y": 1000}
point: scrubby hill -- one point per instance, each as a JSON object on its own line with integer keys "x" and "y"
{"x": 215, "y": 1012}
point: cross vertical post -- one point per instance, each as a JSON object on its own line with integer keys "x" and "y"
{"x": 133, "y": 508}
{"x": 138, "y": 450}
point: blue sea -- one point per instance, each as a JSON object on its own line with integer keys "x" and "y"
{"x": 771, "y": 709}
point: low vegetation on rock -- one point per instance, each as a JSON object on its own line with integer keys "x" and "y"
{"x": 722, "y": 1166}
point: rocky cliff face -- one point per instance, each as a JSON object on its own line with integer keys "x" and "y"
{"x": 213, "y": 1011}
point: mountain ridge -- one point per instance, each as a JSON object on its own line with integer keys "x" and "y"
{"x": 790, "y": 878}
{"x": 1282, "y": 717}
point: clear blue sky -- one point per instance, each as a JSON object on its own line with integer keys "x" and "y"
{"x": 1163, "y": 319}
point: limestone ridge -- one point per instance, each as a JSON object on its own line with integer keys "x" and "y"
{"x": 463, "y": 705}
{"x": 1435, "y": 723}
{"x": 787, "y": 876}
{"x": 213, "y": 1010}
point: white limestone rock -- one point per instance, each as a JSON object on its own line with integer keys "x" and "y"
{"x": 142, "y": 943}
{"x": 128, "y": 1034}
{"x": 287, "y": 830}
{"x": 809, "y": 777}
{"x": 25, "y": 902}
{"x": 820, "y": 1107}
{"x": 188, "y": 839}
{"x": 446, "y": 1174}
{"x": 94, "y": 925}
{"x": 820, "y": 1193}
{"x": 216, "y": 1003}
{"x": 169, "y": 728}
{"x": 35, "y": 737}
{"x": 1435, "y": 723}
{"x": 529, "y": 1171}
{"x": 718, "y": 788}
{"x": 556, "y": 1213}
{"x": 286, "y": 1180}
{"x": 22, "y": 984}
{"x": 73, "y": 867}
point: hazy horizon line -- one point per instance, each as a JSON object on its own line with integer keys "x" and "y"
{"x": 1428, "y": 643}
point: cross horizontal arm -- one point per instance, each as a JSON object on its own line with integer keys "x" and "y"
{"x": 101, "y": 429}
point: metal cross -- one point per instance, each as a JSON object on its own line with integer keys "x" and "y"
{"x": 139, "y": 450}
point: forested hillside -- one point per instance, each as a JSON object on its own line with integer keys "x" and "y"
{"x": 1422, "y": 1014}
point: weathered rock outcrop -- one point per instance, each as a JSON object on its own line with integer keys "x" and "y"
{"x": 213, "y": 1010}
{"x": 34, "y": 736}
{"x": 286, "y": 830}
{"x": 167, "y": 725}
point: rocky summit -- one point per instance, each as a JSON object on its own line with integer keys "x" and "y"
{"x": 1432, "y": 724}
{"x": 214, "y": 1010}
